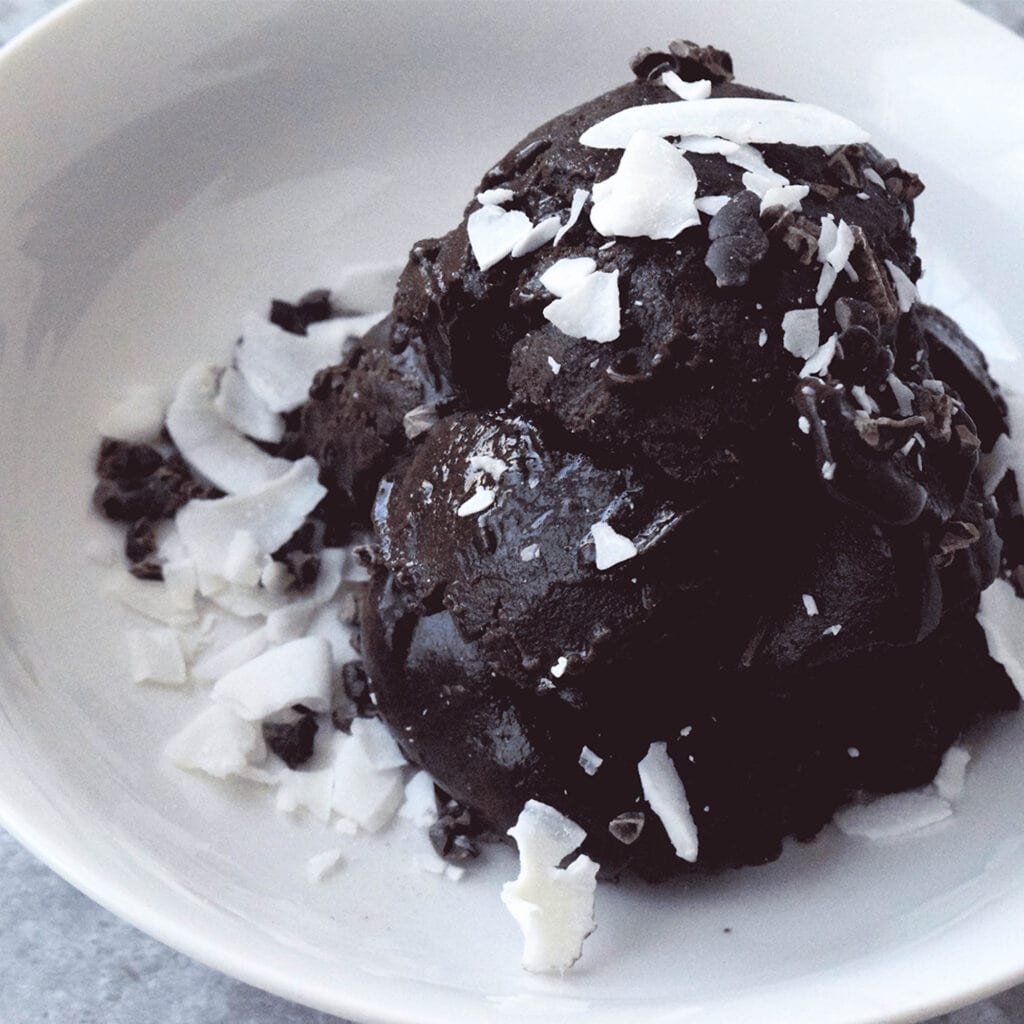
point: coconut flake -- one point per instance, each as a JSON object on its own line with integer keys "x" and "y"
{"x": 221, "y": 660}
{"x": 739, "y": 155}
{"x": 322, "y": 865}
{"x": 271, "y": 514}
{"x": 732, "y": 118}
{"x": 873, "y": 176}
{"x": 420, "y": 803}
{"x": 278, "y": 366}
{"x": 579, "y": 199}
{"x": 530, "y": 552}
{"x": 553, "y": 906}
{"x": 240, "y": 406}
{"x": 419, "y": 420}
{"x": 999, "y": 614}
{"x": 893, "y": 816}
{"x": 243, "y": 562}
{"x": 699, "y": 90}
{"x": 710, "y": 204}
{"x": 663, "y": 790}
{"x": 298, "y": 672}
{"x": 589, "y": 761}
{"x": 138, "y": 417}
{"x": 540, "y": 234}
{"x": 789, "y": 197}
{"x": 310, "y": 789}
{"x": 810, "y": 605}
{"x": 837, "y": 255}
{"x": 155, "y": 656}
{"x": 218, "y": 743}
{"x": 567, "y": 274}
{"x": 650, "y": 195}
{"x": 559, "y": 667}
{"x": 209, "y": 444}
{"x": 363, "y": 793}
{"x": 832, "y": 630}
{"x": 949, "y": 779}
{"x": 828, "y": 472}
{"x": 818, "y": 364}
{"x": 803, "y": 424}
{"x": 903, "y": 395}
{"x": 610, "y": 548}
{"x": 590, "y": 310}
{"x": 863, "y": 399}
{"x": 149, "y": 598}
{"x": 482, "y": 498}
{"x": 495, "y": 196}
{"x": 379, "y": 745}
{"x": 906, "y": 290}
{"x": 800, "y": 332}
{"x": 556, "y": 366}
{"x": 493, "y": 232}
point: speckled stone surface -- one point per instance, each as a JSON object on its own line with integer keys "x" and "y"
{"x": 64, "y": 960}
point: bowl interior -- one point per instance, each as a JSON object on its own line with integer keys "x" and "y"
{"x": 200, "y": 158}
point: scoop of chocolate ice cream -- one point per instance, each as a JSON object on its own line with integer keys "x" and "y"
{"x": 668, "y": 450}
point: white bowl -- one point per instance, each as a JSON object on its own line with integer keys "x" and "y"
{"x": 166, "y": 167}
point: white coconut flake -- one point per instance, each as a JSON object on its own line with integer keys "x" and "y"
{"x": 699, "y": 90}
{"x": 379, "y": 745}
{"x": 209, "y": 444}
{"x": 138, "y": 417}
{"x": 762, "y": 338}
{"x": 610, "y": 548}
{"x": 650, "y": 195}
{"x": 155, "y": 656}
{"x": 363, "y": 793}
{"x": 419, "y": 420}
{"x": 732, "y": 118}
{"x": 559, "y": 667}
{"x": 495, "y": 196}
{"x": 999, "y": 615}
{"x": 589, "y": 761}
{"x": 810, "y": 605}
{"x": 420, "y": 802}
{"x": 710, "y": 204}
{"x": 863, "y": 399}
{"x": 225, "y": 658}
{"x": 218, "y": 743}
{"x": 906, "y": 290}
{"x": 664, "y": 791}
{"x": 832, "y": 630}
{"x": 493, "y": 232}
{"x": 271, "y": 514}
{"x": 893, "y": 816}
{"x": 243, "y": 561}
{"x": 818, "y": 364}
{"x": 789, "y": 197}
{"x": 482, "y": 498}
{"x": 240, "y": 406}
{"x": 903, "y": 395}
{"x": 309, "y": 789}
{"x": 279, "y": 366}
{"x": 149, "y": 598}
{"x": 579, "y": 199}
{"x": 803, "y": 424}
{"x": 838, "y": 254}
{"x": 553, "y": 906}
{"x": 540, "y": 234}
{"x": 298, "y": 672}
{"x": 567, "y": 274}
{"x": 736, "y": 154}
{"x": 950, "y": 778}
{"x": 530, "y": 552}
{"x": 873, "y": 176}
{"x": 828, "y": 470}
{"x": 556, "y": 366}
{"x": 589, "y": 311}
{"x": 800, "y": 332}
{"x": 322, "y": 865}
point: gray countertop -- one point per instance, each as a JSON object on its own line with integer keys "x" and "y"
{"x": 65, "y": 960}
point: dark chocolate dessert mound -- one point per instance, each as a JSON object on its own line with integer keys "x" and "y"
{"x": 659, "y": 446}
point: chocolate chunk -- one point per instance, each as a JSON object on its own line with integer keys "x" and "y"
{"x": 738, "y": 243}
{"x": 312, "y": 308}
{"x": 292, "y": 741}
